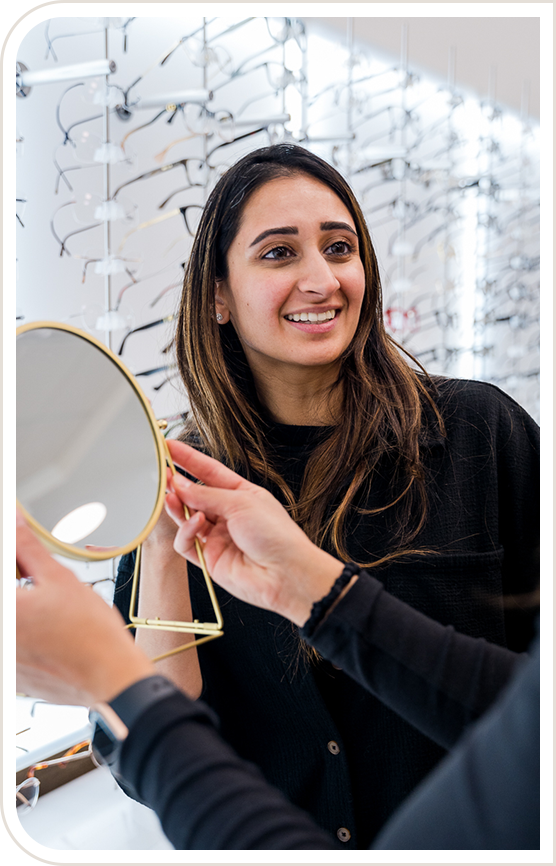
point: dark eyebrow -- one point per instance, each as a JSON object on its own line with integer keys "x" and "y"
{"x": 283, "y": 230}
{"x": 292, "y": 230}
{"x": 331, "y": 226}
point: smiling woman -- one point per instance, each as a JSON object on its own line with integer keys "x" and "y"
{"x": 294, "y": 382}
{"x": 293, "y": 293}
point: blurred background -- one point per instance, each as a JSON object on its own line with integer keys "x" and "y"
{"x": 123, "y": 125}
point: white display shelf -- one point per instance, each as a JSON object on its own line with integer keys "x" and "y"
{"x": 92, "y": 813}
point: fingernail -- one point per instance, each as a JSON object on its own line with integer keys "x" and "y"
{"x": 19, "y": 518}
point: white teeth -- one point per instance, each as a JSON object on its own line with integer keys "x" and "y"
{"x": 312, "y": 317}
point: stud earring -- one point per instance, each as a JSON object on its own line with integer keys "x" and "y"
{"x": 219, "y": 317}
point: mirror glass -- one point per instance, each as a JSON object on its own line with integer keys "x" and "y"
{"x": 88, "y": 457}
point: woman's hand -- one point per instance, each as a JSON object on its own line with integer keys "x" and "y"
{"x": 72, "y": 648}
{"x": 251, "y": 546}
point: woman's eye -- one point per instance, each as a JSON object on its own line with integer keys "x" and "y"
{"x": 340, "y": 248}
{"x": 278, "y": 253}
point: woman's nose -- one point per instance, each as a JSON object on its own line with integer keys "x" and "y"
{"x": 317, "y": 276}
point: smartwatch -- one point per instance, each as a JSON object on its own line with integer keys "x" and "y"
{"x": 112, "y": 721}
{"x": 109, "y": 732}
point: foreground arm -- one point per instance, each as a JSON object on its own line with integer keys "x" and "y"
{"x": 205, "y": 795}
{"x": 486, "y": 796}
{"x": 72, "y": 648}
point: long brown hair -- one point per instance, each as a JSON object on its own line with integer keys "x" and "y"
{"x": 383, "y": 397}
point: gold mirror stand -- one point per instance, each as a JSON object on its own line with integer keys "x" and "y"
{"x": 209, "y": 630}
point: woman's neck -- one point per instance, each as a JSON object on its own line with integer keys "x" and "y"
{"x": 307, "y": 398}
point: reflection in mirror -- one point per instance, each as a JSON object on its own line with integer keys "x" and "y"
{"x": 80, "y": 522}
{"x": 88, "y": 463}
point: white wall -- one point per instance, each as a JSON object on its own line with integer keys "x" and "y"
{"x": 506, "y": 46}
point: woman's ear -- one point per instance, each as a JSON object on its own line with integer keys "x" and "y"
{"x": 221, "y": 310}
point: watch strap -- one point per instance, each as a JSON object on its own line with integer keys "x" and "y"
{"x": 112, "y": 721}
{"x": 133, "y": 701}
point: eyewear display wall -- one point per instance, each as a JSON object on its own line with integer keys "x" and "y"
{"x": 120, "y": 173}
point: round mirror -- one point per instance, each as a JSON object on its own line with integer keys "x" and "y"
{"x": 91, "y": 468}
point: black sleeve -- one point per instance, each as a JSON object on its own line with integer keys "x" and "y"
{"x": 486, "y": 794}
{"x": 208, "y": 798}
{"x": 518, "y": 455}
{"x": 434, "y": 677}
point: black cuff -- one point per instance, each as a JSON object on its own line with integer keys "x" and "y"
{"x": 320, "y": 608}
{"x": 151, "y": 727}
{"x": 133, "y": 701}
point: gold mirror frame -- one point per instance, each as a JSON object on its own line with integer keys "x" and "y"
{"x": 207, "y": 630}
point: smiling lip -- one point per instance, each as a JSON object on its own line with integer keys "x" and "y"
{"x": 315, "y": 327}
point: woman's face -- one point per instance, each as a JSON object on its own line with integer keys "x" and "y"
{"x": 295, "y": 281}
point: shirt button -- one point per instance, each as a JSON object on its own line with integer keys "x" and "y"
{"x": 343, "y": 834}
{"x": 333, "y": 747}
